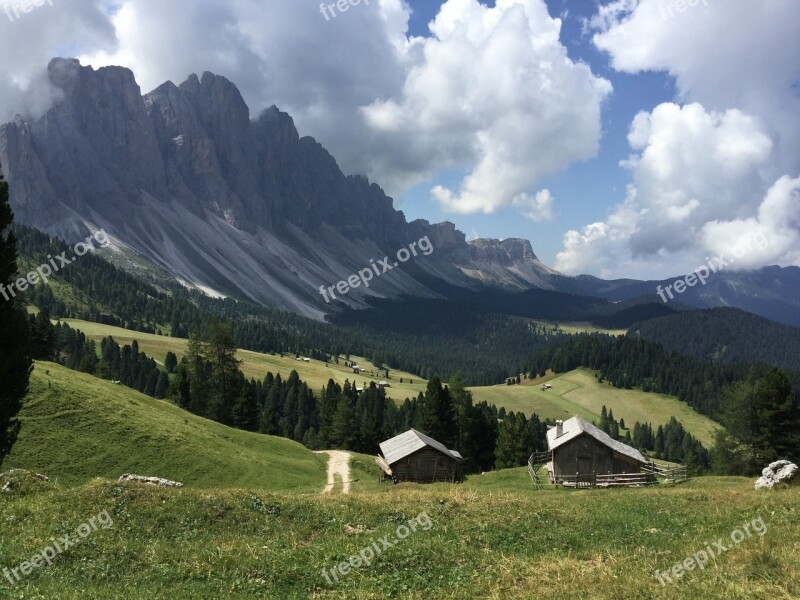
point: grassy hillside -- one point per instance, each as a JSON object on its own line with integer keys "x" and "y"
{"x": 579, "y": 393}
{"x": 76, "y": 427}
{"x": 256, "y": 365}
{"x": 574, "y": 393}
{"x": 579, "y": 327}
{"x": 482, "y": 540}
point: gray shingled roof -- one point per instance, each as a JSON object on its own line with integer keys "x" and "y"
{"x": 576, "y": 426}
{"x": 409, "y": 442}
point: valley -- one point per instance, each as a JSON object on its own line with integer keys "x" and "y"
{"x": 573, "y": 393}
{"x": 402, "y": 304}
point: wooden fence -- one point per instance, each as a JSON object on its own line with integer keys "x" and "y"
{"x": 669, "y": 473}
{"x": 585, "y": 480}
{"x": 651, "y": 473}
{"x": 536, "y": 462}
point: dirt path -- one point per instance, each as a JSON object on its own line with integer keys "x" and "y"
{"x": 339, "y": 464}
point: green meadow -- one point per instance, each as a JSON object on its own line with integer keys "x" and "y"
{"x": 251, "y": 521}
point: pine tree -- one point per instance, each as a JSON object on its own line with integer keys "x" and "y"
{"x": 505, "y": 455}
{"x": 162, "y": 387}
{"x": 15, "y": 358}
{"x": 658, "y": 445}
{"x": 613, "y": 429}
{"x": 181, "y": 387}
{"x": 436, "y": 417}
{"x": 343, "y": 435}
{"x": 171, "y": 362}
{"x": 603, "y": 419}
{"x": 42, "y": 336}
{"x": 761, "y": 419}
{"x": 246, "y": 411}
{"x": 327, "y": 412}
{"x": 778, "y": 419}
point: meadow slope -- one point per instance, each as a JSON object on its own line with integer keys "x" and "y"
{"x": 76, "y": 427}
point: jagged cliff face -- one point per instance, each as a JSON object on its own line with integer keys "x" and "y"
{"x": 185, "y": 178}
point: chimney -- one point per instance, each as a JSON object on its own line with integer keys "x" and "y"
{"x": 559, "y": 428}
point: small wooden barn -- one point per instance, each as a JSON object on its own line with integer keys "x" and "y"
{"x": 580, "y": 450}
{"x": 413, "y": 456}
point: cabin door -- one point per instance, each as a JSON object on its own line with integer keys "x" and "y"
{"x": 585, "y": 465}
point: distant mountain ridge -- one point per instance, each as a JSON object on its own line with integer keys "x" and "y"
{"x": 771, "y": 292}
{"x": 183, "y": 177}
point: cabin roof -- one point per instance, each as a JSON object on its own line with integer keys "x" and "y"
{"x": 575, "y": 427}
{"x": 409, "y": 442}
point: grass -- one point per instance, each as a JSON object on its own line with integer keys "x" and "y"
{"x": 580, "y": 327}
{"x": 76, "y": 427}
{"x": 251, "y": 522}
{"x": 579, "y": 393}
{"x": 573, "y": 393}
{"x": 492, "y": 537}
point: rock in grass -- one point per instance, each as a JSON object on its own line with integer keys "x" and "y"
{"x": 151, "y": 480}
{"x": 356, "y": 530}
{"x": 781, "y": 471}
{"x": 20, "y": 480}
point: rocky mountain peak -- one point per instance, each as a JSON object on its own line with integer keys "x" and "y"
{"x": 248, "y": 208}
{"x": 506, "y": 251}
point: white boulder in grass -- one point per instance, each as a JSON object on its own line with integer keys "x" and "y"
{"x": 781, "y": 471}
{"x": 151, "y": 480}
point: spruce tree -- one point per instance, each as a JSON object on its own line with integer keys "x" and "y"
{"x": 761, "y": 419}
{"x": 15, "y": 357}
{"x": 171, "y": 362}
{"x": 246, "y": 410}
{"x": 436, "y": 417}
{"x": 603, "y": 419}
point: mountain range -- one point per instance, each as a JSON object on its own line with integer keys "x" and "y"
{"x": 184, "y": 181}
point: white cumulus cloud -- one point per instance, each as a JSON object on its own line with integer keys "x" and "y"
{"x": 698, "y": 187}
{"x": 717, "y": 166}
{"x": 491, "y": 93}
{"x": 540, "y": 207}
{"x": 494, "y": 93}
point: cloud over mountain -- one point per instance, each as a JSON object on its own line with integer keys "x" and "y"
{"x": 719, "y": 164}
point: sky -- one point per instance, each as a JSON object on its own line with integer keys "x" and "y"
{"x": 623, "y": 138}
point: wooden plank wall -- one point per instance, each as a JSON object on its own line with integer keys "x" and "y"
{"x": 425, "y": 466}
{"x": 586, "y": 455}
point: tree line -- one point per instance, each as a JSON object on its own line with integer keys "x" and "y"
{"x": 209, "y": 383}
